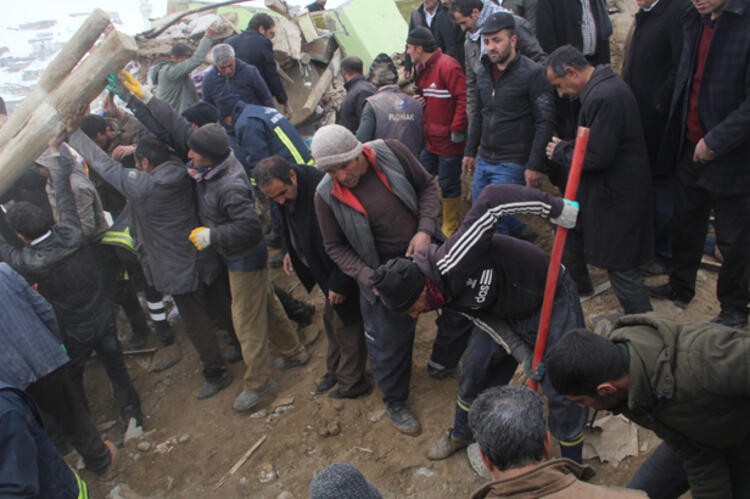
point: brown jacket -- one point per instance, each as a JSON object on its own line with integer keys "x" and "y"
{"x": 557, "y": 478}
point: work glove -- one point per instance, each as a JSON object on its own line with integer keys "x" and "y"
{"x": 534, "y": 376}
{"x": 568, "y": 215}
{"x": 115, "y": 86}
{"x": 134, "y": 86}
{"x": 458, "y": 137}
{"x": 201, "y": 237}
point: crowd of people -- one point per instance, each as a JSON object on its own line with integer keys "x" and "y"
{"x": 166, "y": 199}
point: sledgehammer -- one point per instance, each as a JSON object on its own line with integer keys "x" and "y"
{"x": 574, "y": 177}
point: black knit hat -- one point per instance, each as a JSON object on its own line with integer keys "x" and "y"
{"x": 210, "y": 141}
{"x": 399, "y": 282}
{"x": 498, "y": 21}
{"x": 201, "y": 114}
{"x": 422, "y": 37}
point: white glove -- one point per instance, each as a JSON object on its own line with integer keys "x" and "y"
{"x": 568, "y": 215}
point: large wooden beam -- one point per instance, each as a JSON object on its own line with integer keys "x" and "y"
{"x": 60, "y": 67}
{"x": 80, "y": 87}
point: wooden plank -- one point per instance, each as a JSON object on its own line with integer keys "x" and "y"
{"x": 57, "y": 70}
{"x": 86, "y": 82}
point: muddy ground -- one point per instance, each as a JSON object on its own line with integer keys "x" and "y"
{"x": 209, "y": 437}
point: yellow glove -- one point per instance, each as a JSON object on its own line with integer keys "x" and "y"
{"x": 201, "y": 237}
{"x": 134, "y": 86}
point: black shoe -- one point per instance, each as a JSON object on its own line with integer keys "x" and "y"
{"x": 403, "y": 419}
{"x": 441, "y": 372}
{"x": 213, "y": 386}
{"x": 327, "y": 382}
{"x": 666, "y": 291}
{"x": 284, "y": 363}
{"x": 164, "y": 332}
{"x": 360, "y": 389}
{"x": 731, "y": 318}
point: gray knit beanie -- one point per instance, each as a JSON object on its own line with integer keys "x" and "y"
{"x": 334, "y": 145}
{"x": 337, "y": 481}
{"x": 210, "y": 141}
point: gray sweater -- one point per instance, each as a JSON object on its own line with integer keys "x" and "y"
{"x": 174, "y": 83}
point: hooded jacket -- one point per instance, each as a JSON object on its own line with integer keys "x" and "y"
{"x": 690, "y": 384}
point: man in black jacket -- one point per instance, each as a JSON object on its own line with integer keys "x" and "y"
{"x": 515, "y": 116}
{"x": 497, "y": 282}
{"x": 614, "y": 193}
{"x": 292, "y": 187}
{"x": 709, "y": 133}
{"x": 435, "y": 17}
{"x": 585, "y": 24}
{"x": 650, "y": 72}
{"x": 58, "y": 260}
{"x": 357, "y": 90}
{"x": 255, "y": 46}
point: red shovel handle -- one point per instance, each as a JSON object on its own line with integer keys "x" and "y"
{"x": 574, "y": 177}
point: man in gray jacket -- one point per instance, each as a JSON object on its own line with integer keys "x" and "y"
{"x": 173, "y": 81}
{"x": 162, "y": 214}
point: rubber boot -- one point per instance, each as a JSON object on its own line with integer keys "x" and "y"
{"x": 299, "y": 311}
{"x": 451, "y": 210}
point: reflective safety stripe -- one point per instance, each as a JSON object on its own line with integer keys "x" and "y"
{"x": 463, "y": 405}
{"x": 284, "y": 138}
{"x": 83, "y": 490}
{"x": 122, "y": 238}
{"x": 573, "y": 441}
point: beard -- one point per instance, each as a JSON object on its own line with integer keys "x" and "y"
{"x": 502, "y": 57}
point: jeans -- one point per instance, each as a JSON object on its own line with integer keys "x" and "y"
{"x": 499, "y": 173}
{"x": 487, "y": 363}
{"x": 448, "y": 170}
{"x": 389, "y": 336}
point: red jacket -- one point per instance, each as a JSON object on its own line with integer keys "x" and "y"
{"x": 442, "y": 83}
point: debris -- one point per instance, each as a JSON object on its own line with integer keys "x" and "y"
{"x": 134, "y": 431}
{"x": 144, "y": 446}
{"x": 170, "y": 482}
{"x": 240, "y": 462}
{"x": 106, "y": 425}
{"x": 267, "y": 473}
{"x": 141, "y": 351}
{"x": 243, "y": 481}
{"x": 259, "y": 414}
{"x": 338, "y": 404}
{"x": 282, "y": 409}
{"x": 122, "y": 491}
{"x": 617, "y": 439}
{"x": 377, "y": 415}
{"x": 167, "y": 445}
{"x": 601, "y": 288}
{"x": 364, "y": 449}
{"x": 423, "y": 471}
{"x": 284, "y": 401}
{"x": 285, "y": 495}
{"x": 184, "y": 438}
{"x": 165, "y": 357}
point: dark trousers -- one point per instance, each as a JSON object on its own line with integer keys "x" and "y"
{"x": 107, "y": 347}
{"x": 487, "y": 363}
{"x": 201, "y": 331}
{"x": 732, "y": 221}
{"x": 57, "y": 396}
{"x": 347, "y": 353}
{"x": 630, "y": 290}
{"x": 453, "y": 333}
{"x": 447, "y": 169}
{"x": 119, "y": 289}
{"x": 661, "y": 475}
{"x": 389, "y": 337}
{"x": 664, "y": 197}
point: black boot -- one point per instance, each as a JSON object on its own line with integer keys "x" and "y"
{"x": 299, "y": 311}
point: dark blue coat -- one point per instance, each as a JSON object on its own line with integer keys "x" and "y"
{"x": 246, "y": 83}
{"x": 254, "y": 48}
{"x": 30, "y": 465}
{"x": 724, "y": 100}
{"x": 262, "y": 132}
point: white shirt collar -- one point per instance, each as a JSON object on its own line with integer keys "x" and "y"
{"x": 41, "y": 238}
